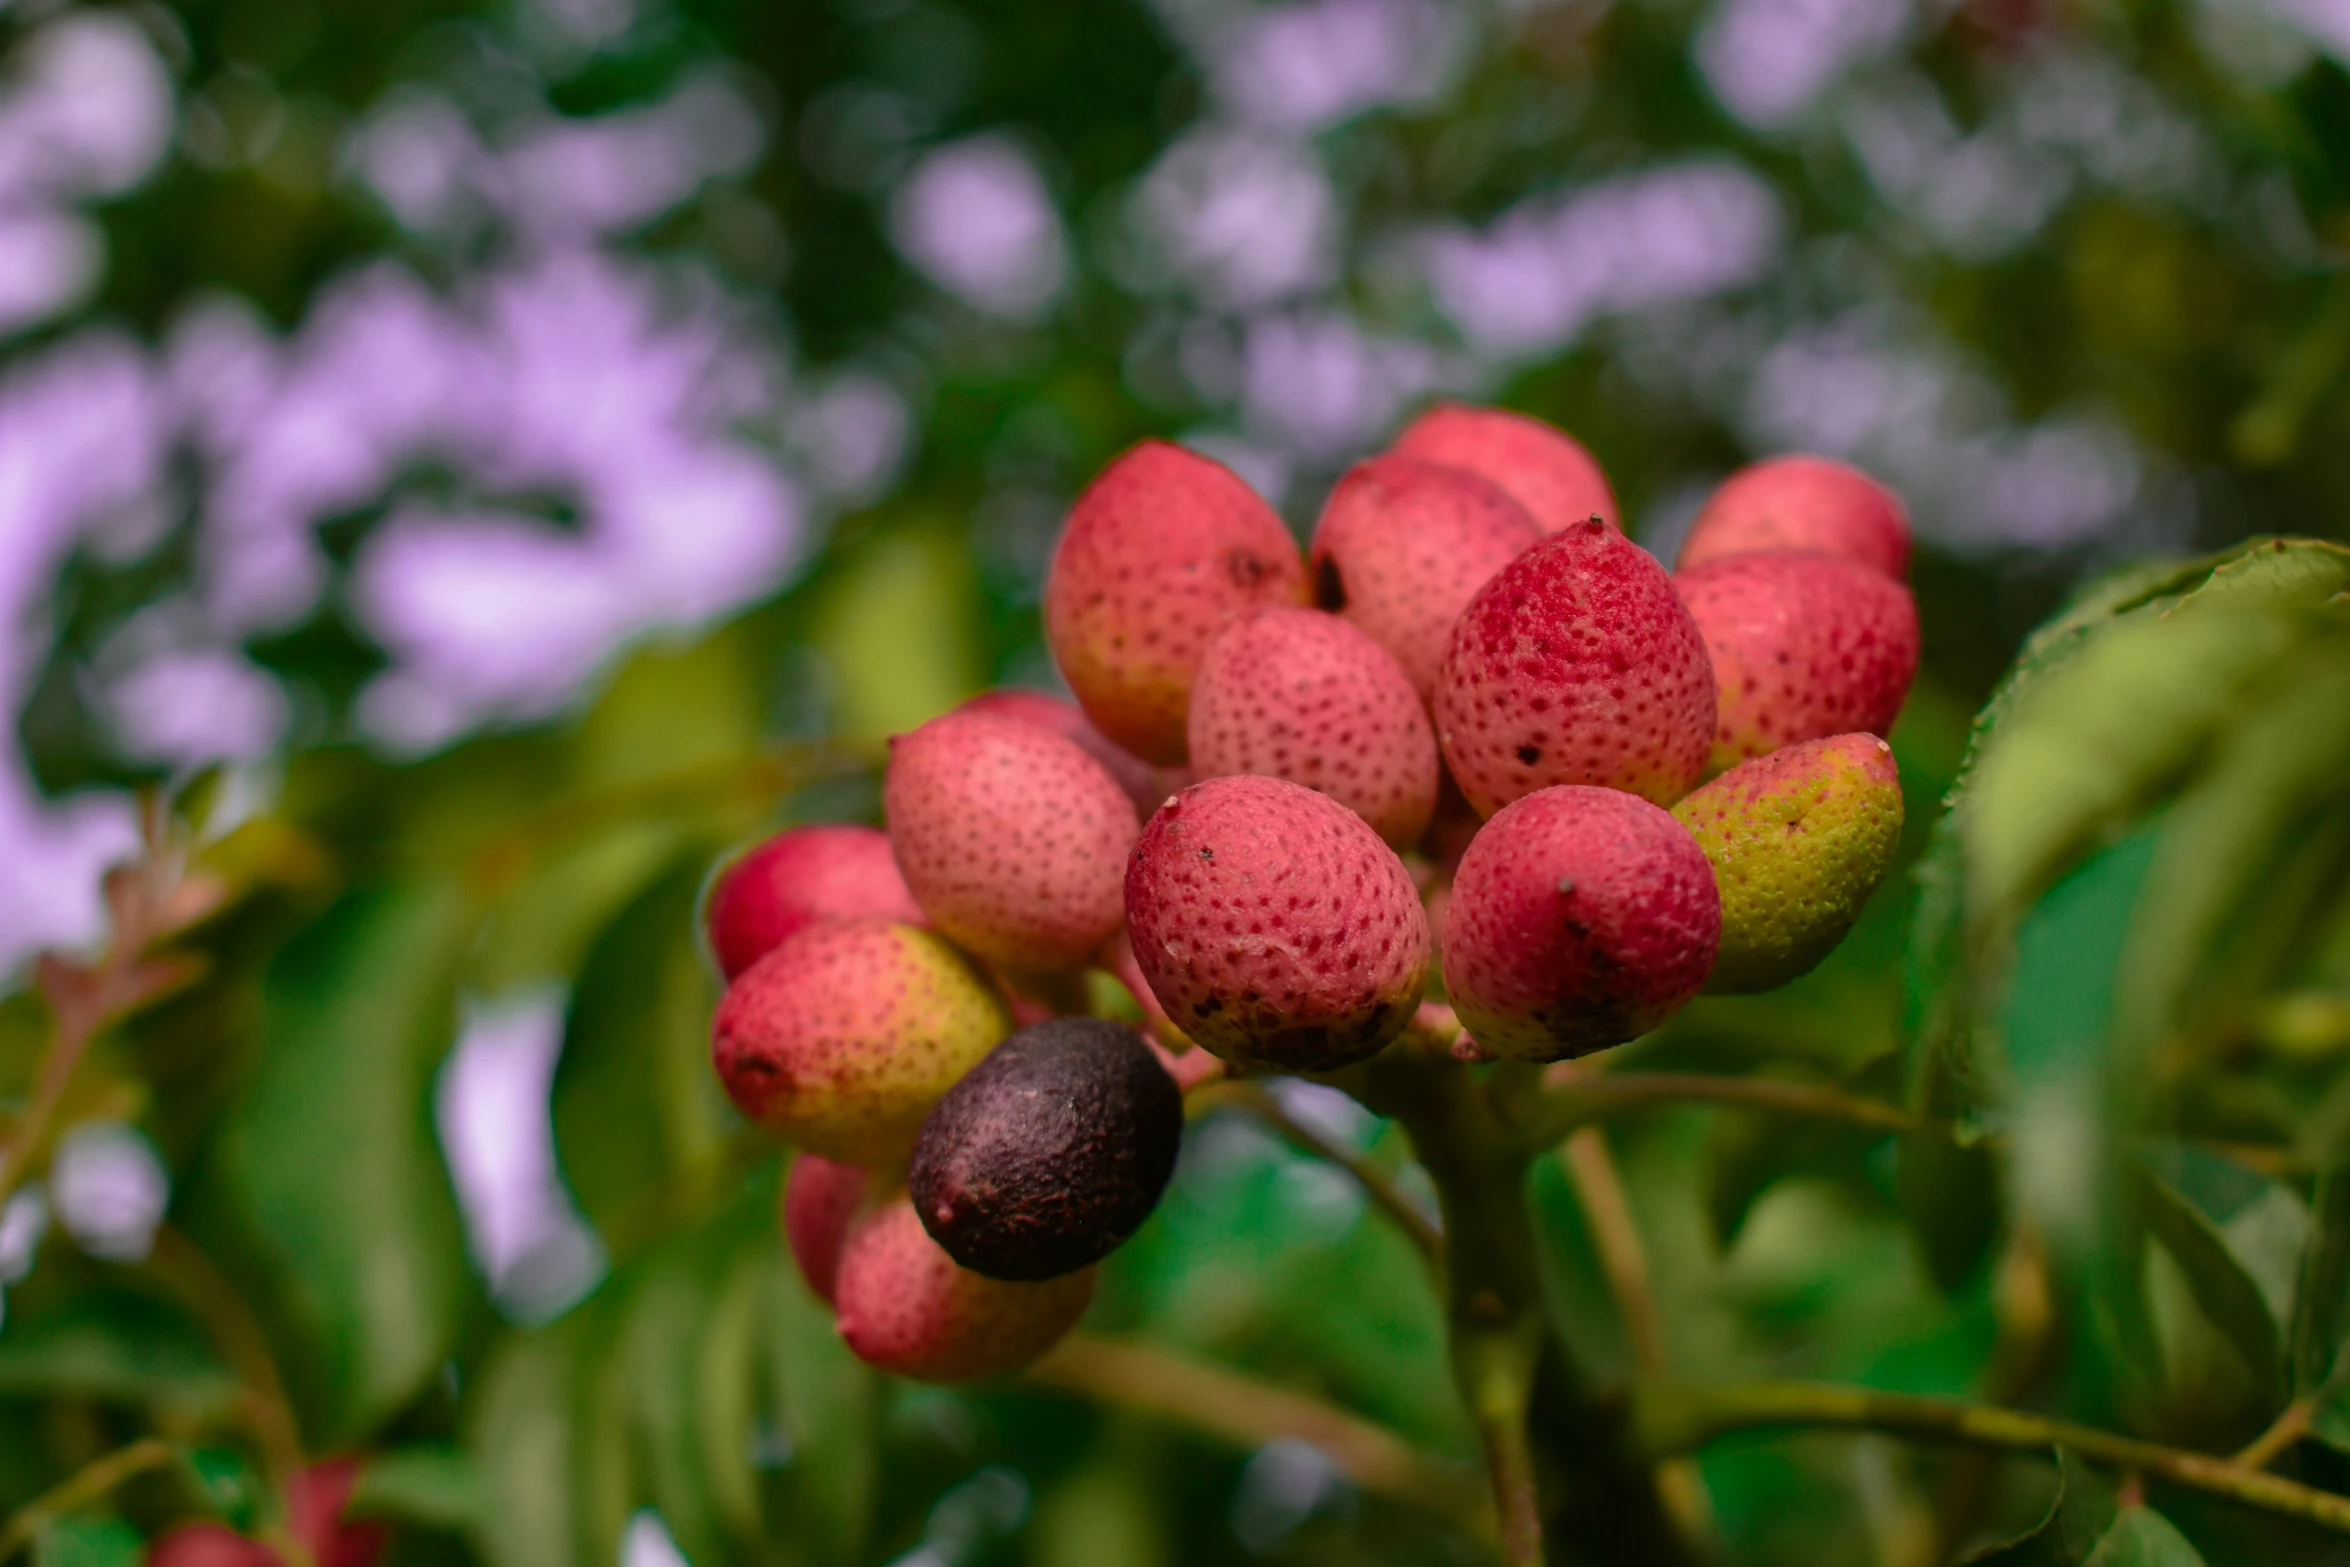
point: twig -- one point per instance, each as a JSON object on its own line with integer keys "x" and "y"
{"x": 1616, "y": 1236}
{"x": 1592, "y": 1096}
{"x": 268, "y": 1412}
{"x": 1671, "y": 1418}
{"x": 1250, "y": 1412}
{"x": 79, "y": 1489}
{"x": 1377, "y": 1184}
{"x": 2290, "y": 1425}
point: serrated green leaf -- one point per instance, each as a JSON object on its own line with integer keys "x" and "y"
{"x": 328, "y": 1166}
{"x": 635, "y": 1104}
{"x": 2225, "y": 1293}
{"x": 435, "y": 1486}
{"x": 2142, "y": 1537}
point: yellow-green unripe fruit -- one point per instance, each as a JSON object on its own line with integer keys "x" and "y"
{"x": 841, "y": 1039}
{"x": 1798, "y": 841}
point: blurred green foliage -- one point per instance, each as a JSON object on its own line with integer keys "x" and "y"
{"x": 2118, "y": 986}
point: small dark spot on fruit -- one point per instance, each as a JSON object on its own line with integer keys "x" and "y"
{"x": 1529, "y": 754}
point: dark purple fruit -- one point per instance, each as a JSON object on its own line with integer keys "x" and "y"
{"x": 1050, "y": 1152}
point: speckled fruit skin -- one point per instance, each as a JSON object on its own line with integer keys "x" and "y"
{"x": 1798, "y": 841}
{"x": 795, "y": 879}
{"x": 1163, "y": 550}
{"x": 841, "y": 1039}
{"x": 1138, "y": 778}
{"x": 1012, "y": 839}
{"x": 1050, "y": 1152}
{"x": 1548, "y": 470}
{"x": 1580, "y": 918}
{"x": 820, "y": 1198}
{"x": 1274, "y": 926}
{"x": 1402, "y": 547}
{"x": 903, "y": 1304}
{"x": 1803, "y": 646}
{"x": 1802, "y": 503}
{"x": 1576, "y": 664}
{"x": 1297, "y": 694}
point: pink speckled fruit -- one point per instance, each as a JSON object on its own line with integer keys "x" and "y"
{"x": 1402, "y": 547}
{"x": 796, "y": 879}
{"x": 1012, "y": 839}
{"x": 1548, "y": 470}
{"x": 1274, "y": 926}
{"x": 1301, "y": 695}
{"x": 820, "y": 1198}
{"x": 1802, "y": 503}
{"x": 841, "y": 1039}
{"x": 1138, "y": 778}
{"x": 1163, "y": 550}
{"x": 1576, "y": 664}
{"x": 1580, "y": 918}
{"x": 904, "y": 1305}
{"x": 1803, "y": 646}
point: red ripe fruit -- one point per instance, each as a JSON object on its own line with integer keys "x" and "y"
{"x": 1162, "y": 551}
{"x": 1803, "y": 646}
{"x": 1274, "y": 926}
{"x": 796, "y": 879}
{"x": 1012, "y": 839}
{"x": 1546, "y": 469}
{"x": 1580, "y": 918}
{"x": 1576, "y": 664}
{"x": 904, "y": 1305}
{"x": 1068, "y": 720}
{"x": 1402, "y": 547}
{"x": 1802, "y": 503}
{"x": 841, "y": 1039}
{"x": 209, "y": 1545}
{"x": 1301, "y": 695}
{"x": 820, "y": 1199}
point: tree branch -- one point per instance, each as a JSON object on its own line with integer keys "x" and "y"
{"x": 79, "y": 1489}
{"x": 1598, "y": 1188}
{"x": 1671, "y": 1418}
{"x": 1587, "y": 1097}
{"x": 1249, "y": 1412}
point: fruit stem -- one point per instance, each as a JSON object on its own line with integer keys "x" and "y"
{"x": 1493, "y": 1292}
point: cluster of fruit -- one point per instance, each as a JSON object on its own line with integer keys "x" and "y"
{"x": 1475, "y": 720}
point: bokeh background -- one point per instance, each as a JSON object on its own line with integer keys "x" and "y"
{"x": 406, "y": 407}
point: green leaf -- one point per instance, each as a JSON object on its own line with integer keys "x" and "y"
{"x": 2142, "y": 1537}
{"x": 328, "y": 1166}
{"x": 435, "y": 1486}
{"x": 114, "y": 1345}
{"x": 89, "y": 1542}
{"x": 518, "y": 1433}
{"x": 635, "y": 1104}
{"x": 2321, "y": 1300}
{"x": 2078, "y": 1514}
{"x": 2226, "y": 1294}
{"x": 897, "y": 632}
{"x": 831, "y": 1407}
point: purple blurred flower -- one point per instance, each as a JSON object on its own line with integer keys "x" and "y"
{"x": 1303, "y": 66}
{"x": 976, "y": 219}
{"x": 1768, "y": 60}
{"x": 1547, "y": 267}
